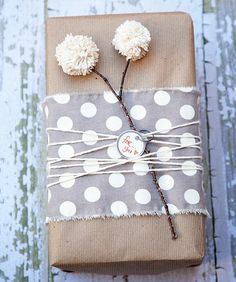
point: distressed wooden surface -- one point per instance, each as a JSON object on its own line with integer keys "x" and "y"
{"x": 23, "y": 240}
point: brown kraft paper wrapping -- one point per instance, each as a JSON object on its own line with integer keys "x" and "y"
{"x": 142, "y": 244}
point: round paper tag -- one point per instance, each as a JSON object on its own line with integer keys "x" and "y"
{"x": 131, "y": 144}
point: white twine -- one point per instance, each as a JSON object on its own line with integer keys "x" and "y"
{"x": 111, "y": 163}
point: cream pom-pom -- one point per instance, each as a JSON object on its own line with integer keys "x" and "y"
{"x": 132, "y": 40}
{"x": 77, "y": 55}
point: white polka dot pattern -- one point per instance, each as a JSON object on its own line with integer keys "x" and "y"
{"x": 191, "y": 196}
{"x": 90, "y": 165}
{"x": 138, "y": 112}
{"x": 67, "y": 180}
{"x": 130, "y": 191}
{"x": 140, "y": 168}
{"x": 163, "y": 125}
{"x": 62, "y": 98}
{"x": 116, "y": 180}
{"x": 187, "y": 139}
{"x": 119, "y": 208}
{"x": 161, "y": 98}
{"x": 90, "y": 137}
{"x": 66, "y": 151}
{"x": 65, "y": 123}
{"x": 67, "y": 208}
{"x": 189, "y": 168}
{"x": 113, "y": 152}
{"x": 187, "y": 112}
{"x": 88, "y": 110}
{"x": 172, "y": 209}
{"x": 110, "y": 97}
{"x": 164, "y": 154}
{"x": 92, "y": 194}
{"x": 114, "y": 123}
{"x": 142, "y": 196}
{"x": 166, "y": 182}
{"x": 186, "y": 89}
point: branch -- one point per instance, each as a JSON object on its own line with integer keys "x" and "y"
{"x": 123, "y": 107}
{"x": 132, "y": 126}
{"x": 169, "y": 217}
{"x": 107, "y": 82}
{"x": 123, "y": 78}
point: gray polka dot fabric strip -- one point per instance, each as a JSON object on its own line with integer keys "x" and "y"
{"x": 79, "y": 123}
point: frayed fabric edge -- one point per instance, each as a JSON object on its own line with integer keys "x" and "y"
{"x": 134, "y": 214}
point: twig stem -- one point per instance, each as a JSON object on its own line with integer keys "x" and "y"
{"x": 169, "y": 217}
{"x": 106, "y": 81}
{"x": 123, "y": 78}
{"x": 123, "y": 106}
{"x": 132, "y": 126}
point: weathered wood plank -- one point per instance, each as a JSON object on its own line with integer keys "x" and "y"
{"x": 220, "y": 61}
{"x": 22, "y": 196}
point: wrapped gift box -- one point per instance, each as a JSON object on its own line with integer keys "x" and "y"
{"x": 139, "y": 244}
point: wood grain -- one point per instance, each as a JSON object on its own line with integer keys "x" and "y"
{"x": 23, "y": 240}
{"x": 22, "y": 197}
{"x": 220, "y": 70}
